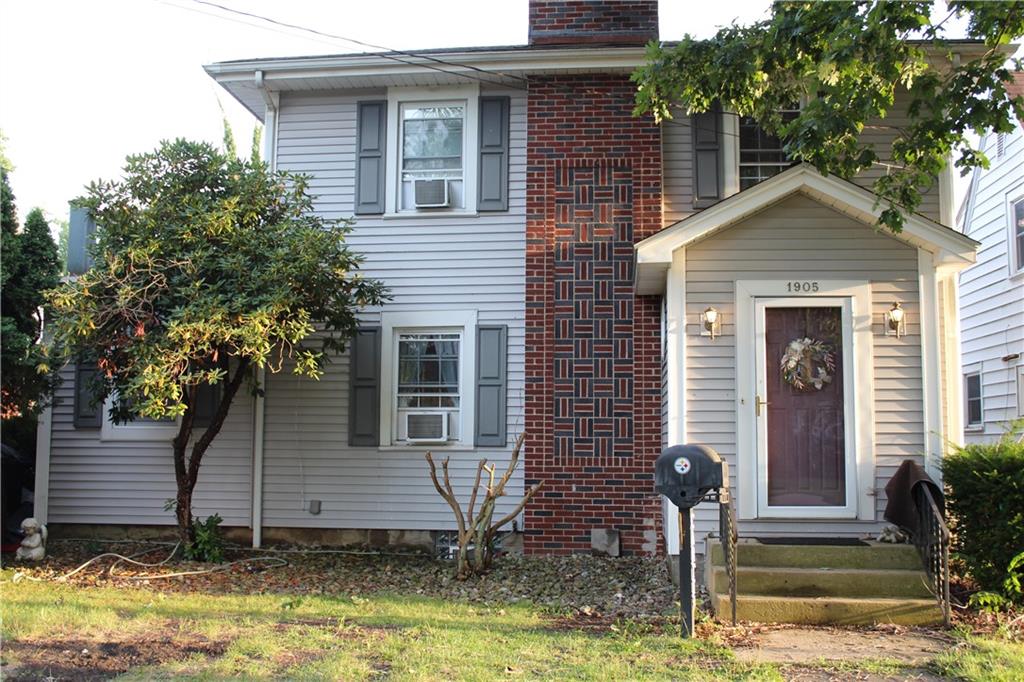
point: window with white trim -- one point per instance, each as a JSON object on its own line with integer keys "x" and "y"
{"x": 139, "y": 429}
{"x": 1017, "y": 236}
{"x": 427, "y": 394}
{"x": 428, "y": 367}
{"x": 432, "y": 141}
{"x": 433, "y": 149}
{"x": 761, "y": 154}
{"x": 973, "y": 407}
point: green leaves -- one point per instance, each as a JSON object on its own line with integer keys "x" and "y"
{"x": 851, "y": 62}
{"x": 204, "y": 259}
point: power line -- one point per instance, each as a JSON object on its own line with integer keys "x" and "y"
{"x": 436, "y": 60}
{"x": 362, "y": 43}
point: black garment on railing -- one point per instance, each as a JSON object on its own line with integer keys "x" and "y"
{"x": 901, "y": 508}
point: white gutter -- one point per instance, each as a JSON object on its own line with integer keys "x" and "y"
{"x": 466, "y": 63}
{"x": 271, "y": 101}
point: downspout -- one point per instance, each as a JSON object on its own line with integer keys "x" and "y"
{"x": 44, "y": 430}
{"x": 270, "y": 100}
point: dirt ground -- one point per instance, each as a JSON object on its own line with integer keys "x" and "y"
{"x": 82, "y": 659}
{"x": 804, "y": 645}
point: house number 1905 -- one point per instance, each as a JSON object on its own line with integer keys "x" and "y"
{"x": 797, "y": 287}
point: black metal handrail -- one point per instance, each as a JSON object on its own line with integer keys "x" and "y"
{"x": 728, "y": 534}
{"x": 932, "y": 542}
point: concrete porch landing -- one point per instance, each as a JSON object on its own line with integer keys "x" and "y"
{"x": 823, "y": 584}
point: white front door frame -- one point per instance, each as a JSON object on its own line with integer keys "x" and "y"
{"x": 858, "y": 293}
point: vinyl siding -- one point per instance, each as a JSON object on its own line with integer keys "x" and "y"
{"x": 429, "y": 264}
{"x": 991, "y": 297}
{"x": 800, "y": 238}
{"x": 880, "y": 133}
{"x": 120, "y": 482}
{"x": 677, "y": 161}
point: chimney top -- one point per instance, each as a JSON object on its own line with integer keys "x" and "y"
{"x": 593, "y": 22}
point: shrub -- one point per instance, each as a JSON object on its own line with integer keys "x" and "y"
{"x": 209, "y": 543}
{"x": 985, "y": 498}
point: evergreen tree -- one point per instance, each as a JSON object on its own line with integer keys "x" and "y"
{"x": 30, "y": 267}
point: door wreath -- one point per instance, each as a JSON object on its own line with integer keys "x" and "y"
{"x": 808, "y": 363}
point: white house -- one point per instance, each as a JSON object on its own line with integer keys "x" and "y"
{"x": 992, "y": 290}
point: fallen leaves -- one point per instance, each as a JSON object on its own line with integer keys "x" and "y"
{"x": 598, "y": 588}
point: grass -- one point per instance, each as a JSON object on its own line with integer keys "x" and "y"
{"x": 400, "y": 637}
{"x": 404, "y": 637}
{"x": 993, "y": 658}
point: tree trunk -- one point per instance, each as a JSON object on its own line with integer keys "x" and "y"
{"x": 186, "y": 473}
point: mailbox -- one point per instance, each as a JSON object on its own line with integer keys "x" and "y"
{"x": 685, "y": 474}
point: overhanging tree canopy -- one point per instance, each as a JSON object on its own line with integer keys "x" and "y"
{"x": 206, "y": 267}
{"x": 847, "y": 60}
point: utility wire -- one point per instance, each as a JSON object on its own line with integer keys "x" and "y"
{"x": 362, "y": 43}
{"x": 430, "y": 58}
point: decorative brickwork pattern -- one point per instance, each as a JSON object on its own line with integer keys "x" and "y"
{"x": 561, "y": 22}
{"x": 593, "y": 368}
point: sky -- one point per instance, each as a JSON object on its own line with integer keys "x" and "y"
{"x": 85, "y": 83}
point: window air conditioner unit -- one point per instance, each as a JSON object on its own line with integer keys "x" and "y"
{"x": 426, "y": 427}
{"x": 431, "y": 193}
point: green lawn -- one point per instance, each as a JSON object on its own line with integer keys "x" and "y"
{"x": 65, "y": 631}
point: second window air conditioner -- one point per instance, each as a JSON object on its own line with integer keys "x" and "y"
{"x": 431, "y": 193}
{"x": 426, "y": 427}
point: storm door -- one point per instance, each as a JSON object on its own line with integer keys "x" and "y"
{"x": 803, "y": 407}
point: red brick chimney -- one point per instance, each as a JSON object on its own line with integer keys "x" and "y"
{"x": 593, "y": 22}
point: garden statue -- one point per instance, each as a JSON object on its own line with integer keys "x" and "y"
{"x": 33, "y": 547}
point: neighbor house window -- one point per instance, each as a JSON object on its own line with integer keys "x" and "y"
{"x": 1017, "y": 236}
{"x": 761, "y": 154}
{"x": 432, "y": 149}
{"x": 428, "y": 397}
{"x": 972, "y": 389}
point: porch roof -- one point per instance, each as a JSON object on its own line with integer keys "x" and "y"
{"x": 950, "y": 248}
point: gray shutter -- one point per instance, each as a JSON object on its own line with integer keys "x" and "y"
{"x": 707, "y": 159}
{"x": 207, "y": 400}
{"x": 491, "y": 385}
{"x": 492, "y": 192}
{"x": 364, "y": 394}
{"x": 370, "y": 143}
{"x": 88, "y": 413}
{"x": 81, "y": 229}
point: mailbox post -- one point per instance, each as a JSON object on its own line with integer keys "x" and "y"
{"x": 687, "y": 474}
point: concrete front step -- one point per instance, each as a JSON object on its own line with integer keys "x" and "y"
{"x": 829, "y": 610}
{"x": 875, "y": 555}
{"x": 824, "y": 582}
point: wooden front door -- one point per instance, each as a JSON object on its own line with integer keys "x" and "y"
{"x": 802, "y": 417}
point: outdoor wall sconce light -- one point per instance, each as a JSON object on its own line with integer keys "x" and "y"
{"x": 711, "y": 321}
{"x": 895, "y": 321}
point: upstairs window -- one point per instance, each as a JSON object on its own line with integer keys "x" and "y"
{"x": 432, "y": 145}
{"x": 761, "y": 154}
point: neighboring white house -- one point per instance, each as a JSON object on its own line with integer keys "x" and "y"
{"x": 992, "y": 290}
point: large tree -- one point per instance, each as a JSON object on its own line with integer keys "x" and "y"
{"x": 847, "y": 61}
{"x": 29, "y": 268}
{"x": 206, "y": 267}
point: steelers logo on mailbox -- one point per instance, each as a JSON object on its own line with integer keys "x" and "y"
{"x": 682, "y": 466}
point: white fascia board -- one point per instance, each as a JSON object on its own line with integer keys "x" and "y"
{"x": 371, "y": 64}
{"x": 950, "y": 247}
